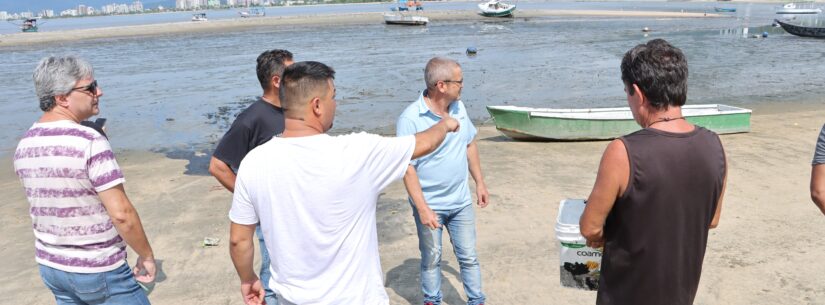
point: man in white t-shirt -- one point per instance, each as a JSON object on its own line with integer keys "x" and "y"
{"x": 315, "y": 198}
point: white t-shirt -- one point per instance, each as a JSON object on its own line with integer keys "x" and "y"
{"x": 315, "y": 198}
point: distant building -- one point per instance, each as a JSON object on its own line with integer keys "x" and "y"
{"x": 190, "y": 4}
{"x": 213, "y": 3}
{"x": 4, "y": 15}
{"x": 45, "y": 13}
{"x": 137, "y": 6}
{"x": 81, "y": 10}
{"x": 26, "y": 14}
{"x": 230, "y": 3}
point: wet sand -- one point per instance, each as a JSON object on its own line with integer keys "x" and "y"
{"x": 765, "y": 250}
{"x": 19, "y": 39}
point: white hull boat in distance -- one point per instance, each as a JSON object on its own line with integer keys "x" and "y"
{"x": 798, "y": 8}
{"x": 253, "y": 12}
{"x": 496, "y": 8}
{"x": 405, "y": 19}
{"x": 199, "y": 17}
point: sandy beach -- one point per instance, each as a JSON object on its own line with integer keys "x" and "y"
{"x": 764, "y": 252}
{"x": 21, "y": 39}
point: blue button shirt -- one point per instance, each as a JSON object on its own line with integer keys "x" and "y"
{"x": 443, "y": 173}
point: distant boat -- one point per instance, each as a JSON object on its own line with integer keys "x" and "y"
{"x": 802, "y": 30}
{"x": 724, "y": 9}
{"x": 798, "y": 8}
{"x": 253, "y": 12}
{"x": 402, "y": 15}
{"x": 405, "y": 19}
{"x": 29, "y": 25}
{"x": 496, "y": 8}
{"x": 524, "y": 123}
{"x": 407, "y": 5}
{"x": 199, "y": 17}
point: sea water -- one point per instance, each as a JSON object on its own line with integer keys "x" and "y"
{"x": 180, "y": 92}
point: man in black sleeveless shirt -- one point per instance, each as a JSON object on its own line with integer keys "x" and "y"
{"x": 658, "y": 190}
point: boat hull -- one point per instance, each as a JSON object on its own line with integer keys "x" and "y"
{"x": 508, "y": 13}
{"x": 528, "y": 124}
{"x": 406, "y": 20}
{"x": 799, "y": 11}
{"x": 801, "y": 30}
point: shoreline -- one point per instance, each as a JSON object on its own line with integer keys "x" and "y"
{"x": 228, "y": 25}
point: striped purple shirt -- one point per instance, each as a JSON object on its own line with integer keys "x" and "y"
{"x": 63, "y": 165}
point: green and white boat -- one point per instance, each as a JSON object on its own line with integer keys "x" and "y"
{"x": 525, "y": 123}
{"x": 496, "y": 8}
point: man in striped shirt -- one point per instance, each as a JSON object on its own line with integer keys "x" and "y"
{"x": 81, "y": 217}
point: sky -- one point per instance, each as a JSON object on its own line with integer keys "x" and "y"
{"x": 16, "y": 6}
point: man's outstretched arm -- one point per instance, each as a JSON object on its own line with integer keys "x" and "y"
{"x": 428, "y": 140}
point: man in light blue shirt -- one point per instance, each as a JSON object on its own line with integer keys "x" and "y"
{"x": 437, "y": 183}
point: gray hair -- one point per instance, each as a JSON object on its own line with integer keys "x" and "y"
{"x": 57, "y": 76}
{"x": 439, "y": 69}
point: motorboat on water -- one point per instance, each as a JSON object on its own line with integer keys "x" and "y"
{"x": 199, "y": 17}
{"x": 405, "y": 19}
{"x": 29, "y": 25}
{"x": 798, "y": 8}
{"x": 403, "y": 14}
{"x": 253, "y": 12}
{"x": 496, "y": 8}
{"x": 724, "y": 9}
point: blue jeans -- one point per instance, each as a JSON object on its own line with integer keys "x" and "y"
{"x": 114, "y": 287}
{"x": 269, "y": 297}
{"x": 461, "y": 225}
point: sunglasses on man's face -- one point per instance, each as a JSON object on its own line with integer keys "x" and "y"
{"x": 91, "y": 88}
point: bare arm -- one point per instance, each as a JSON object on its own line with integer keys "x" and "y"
{"x": 718, "y": 213}
{"x": 474, "y": 161}
{"x": 127, "y": 222}
{"x": 818, "y": 186}
{"x": 611, "y": 182}
{"x": 413, "y": 185}
{"x": 428, "y": 140}
{"x": 241, "y": 249}
{"x": 223, "y": 173}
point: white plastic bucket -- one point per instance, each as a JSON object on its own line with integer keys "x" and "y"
{"x": 579, "y": 265}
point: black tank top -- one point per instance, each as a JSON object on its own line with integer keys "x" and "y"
{"x": 656, "y": 233}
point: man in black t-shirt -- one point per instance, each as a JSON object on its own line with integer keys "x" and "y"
{"x": 254, "y": 126}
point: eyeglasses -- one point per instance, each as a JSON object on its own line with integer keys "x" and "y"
{"x": 460, "y": 81}
{"x": 91, "y": 88}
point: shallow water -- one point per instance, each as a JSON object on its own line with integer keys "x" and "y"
{"x": 178, "y": 93}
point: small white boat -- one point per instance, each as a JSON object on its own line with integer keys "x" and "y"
{"x": 199, "y": 17}
{"x": 798, "y": 8}
{"x": 253, "y": 12}
{"x": 496, "y": 8}
{"x": 405, "y": 19}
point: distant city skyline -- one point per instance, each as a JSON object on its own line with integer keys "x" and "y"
{"x": 35, "y": 6}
